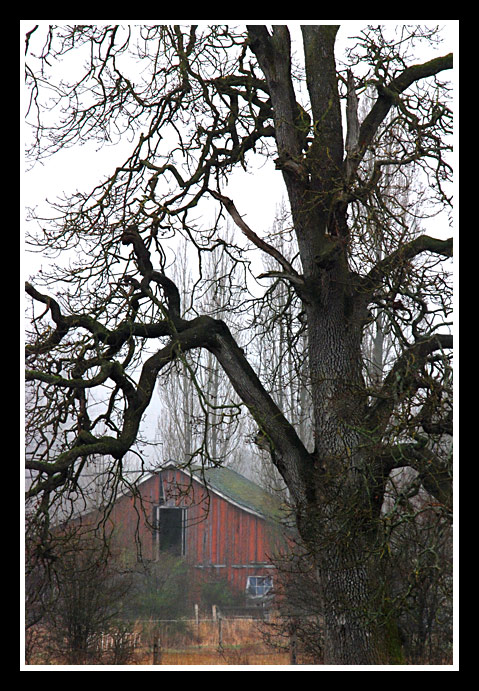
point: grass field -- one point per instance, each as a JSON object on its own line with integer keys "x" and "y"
{"x": 207, "y": 642}
{"x": 225, "y": 642}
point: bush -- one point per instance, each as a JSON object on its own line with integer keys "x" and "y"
{"x": 85, "y": 597}
{"x": 218, "y": 592}
{"x": 159, "y": 590}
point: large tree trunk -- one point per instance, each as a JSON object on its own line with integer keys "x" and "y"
{"x": 333, "y": 508}
{"x": 344, "y": 574}
{"x": 338, "y": 524}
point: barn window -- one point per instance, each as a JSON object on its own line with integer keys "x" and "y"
{"x": 258, "y": 586}
{"x": 169, "y": 529}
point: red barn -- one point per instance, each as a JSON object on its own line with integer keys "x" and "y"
{"x": 223, "y": 524}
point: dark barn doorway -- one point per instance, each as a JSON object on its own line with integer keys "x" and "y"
{"x": 170, "y": 526}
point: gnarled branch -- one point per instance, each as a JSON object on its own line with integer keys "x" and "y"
{"x": 423, "y": 243}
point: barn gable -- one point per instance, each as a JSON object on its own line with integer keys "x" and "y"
{"x": 221, "y": 523}
{"x": 237, "y": 489}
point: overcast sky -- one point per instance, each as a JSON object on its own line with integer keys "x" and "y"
{"x": 256, "y": 194}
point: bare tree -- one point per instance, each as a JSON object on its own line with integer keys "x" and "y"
{"x": 201, "y": 417}
{"x": 196, "y": 102}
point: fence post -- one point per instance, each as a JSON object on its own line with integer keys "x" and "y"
{"x": 213, "y": 609}
{"x": 197, "y": 619}
{"x": 220, "y": 632}
{"x": 293, "y": 648}
{"x": 156, "y": 650}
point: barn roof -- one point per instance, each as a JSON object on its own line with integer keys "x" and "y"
{"x": 238, "y": 489}
{"x": 224, "y": 481}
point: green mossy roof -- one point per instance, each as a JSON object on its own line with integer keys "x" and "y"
{"x": 241, "y": 490}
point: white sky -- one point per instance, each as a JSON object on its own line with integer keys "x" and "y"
{"x": 256, "y": 194}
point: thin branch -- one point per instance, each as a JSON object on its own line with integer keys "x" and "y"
{"x": 423, "y": 243}
{"x": 131, "y": 236}
{"x": 388, "y": 96}
{"x": 401, "y": 381}
{"x": 251, "y": 235}
{"x": 434, "y": 475}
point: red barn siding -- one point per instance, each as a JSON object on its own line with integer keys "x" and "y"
{"x": 220, "y": 536}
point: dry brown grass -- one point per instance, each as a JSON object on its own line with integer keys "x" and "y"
{"x": 226, "y": 657}
{"x": 229, "y": 642}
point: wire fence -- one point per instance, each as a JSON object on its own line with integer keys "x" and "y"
{"x": 223, "y": 638}
{"x": 217, "y": 640}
